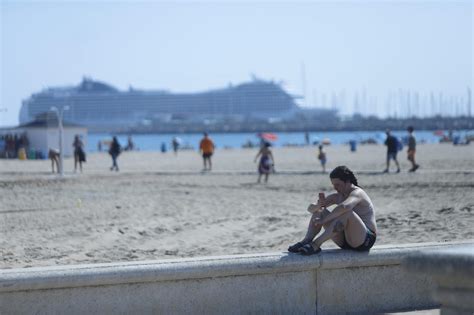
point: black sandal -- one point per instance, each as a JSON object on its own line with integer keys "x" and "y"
{"x": 295, "y": 248}
{"x": 308, "y": 250}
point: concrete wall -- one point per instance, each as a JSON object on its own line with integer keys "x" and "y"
{"x": 453, "y": 271}
{"x": 332, "y": 282}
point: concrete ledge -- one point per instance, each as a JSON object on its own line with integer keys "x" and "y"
{"x": 453, "y": 271}
{"x": 335, "y": 281}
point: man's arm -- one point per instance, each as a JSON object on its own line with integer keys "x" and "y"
{"x": 344, "y": 207}
{"x": 258, "y": 154}
{"x": 328, "y": 201}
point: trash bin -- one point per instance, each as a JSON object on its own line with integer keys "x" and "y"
{"x": 31, "y": 155}
{"x": 22, "y": 154}
{"x": 456, "y": 140}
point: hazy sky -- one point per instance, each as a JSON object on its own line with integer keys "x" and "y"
{"x": 193, "y": 46}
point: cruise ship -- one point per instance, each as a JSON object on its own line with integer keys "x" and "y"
{"x": 97, "y": 104}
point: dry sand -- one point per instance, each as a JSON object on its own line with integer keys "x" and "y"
{"x": 161, "y": 206}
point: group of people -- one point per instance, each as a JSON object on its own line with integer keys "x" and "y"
{"x": 79, "y": 155}
{"x": 350, "y": 224}
{"x": 393, "y": 146}
{"x": 10, "y": 144}
{"x": 266, "y": 161}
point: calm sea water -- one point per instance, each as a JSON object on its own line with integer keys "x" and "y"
{"x": 153, "y": 142}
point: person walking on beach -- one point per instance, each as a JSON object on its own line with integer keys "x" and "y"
{"x": 351, "y": 224}
{"x": 114, "y": 151}
{"x": 266, "y": 163}
{"x": 79, "y": 154}
{"x": 53, "y": 155}
{"x": 130, "y": 145}
{"x": 412, "y": 149}
{"x": 206, "y": 147}
{"x": 175, "y": 144}
{"x": 322, "y": 158}
{"x": 392, "y": 149}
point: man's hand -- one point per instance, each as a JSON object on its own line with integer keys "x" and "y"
{"x": 314, "y": 207}
{"x": 319, "y": 219}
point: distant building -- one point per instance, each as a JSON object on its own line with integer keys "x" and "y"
{"x": 43, "y": 134}
{"x": 96, "y": 104}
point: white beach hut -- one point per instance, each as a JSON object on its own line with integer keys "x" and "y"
{"x": 43, "y": 134}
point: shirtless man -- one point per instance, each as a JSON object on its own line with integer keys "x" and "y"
{"x": 351, "y": 224}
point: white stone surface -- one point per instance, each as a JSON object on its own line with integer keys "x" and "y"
{"x": 332, "y": 282}
{"x": 453, "y": 271}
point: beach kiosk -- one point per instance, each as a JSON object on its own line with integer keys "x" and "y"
{"x": 43, "y": 135}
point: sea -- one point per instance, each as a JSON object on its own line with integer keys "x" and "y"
{"x": 158, "y": 142}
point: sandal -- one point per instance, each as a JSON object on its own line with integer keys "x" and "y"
{"x": 308, "y": 250}
{"x": 295, "y": 248}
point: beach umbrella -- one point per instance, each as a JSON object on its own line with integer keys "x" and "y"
{"x": 268, "y": 136}
{"x": 326, "y": 141}
{"x": 439, "y": 133}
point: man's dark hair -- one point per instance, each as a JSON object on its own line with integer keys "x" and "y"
{"x": 345, "y": 174}
{"x": 410, "y": 129}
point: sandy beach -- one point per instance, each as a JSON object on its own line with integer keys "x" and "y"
{"x": 162, "y": 206}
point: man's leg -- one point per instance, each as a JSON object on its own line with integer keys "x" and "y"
{"x": 352, "y": 226}
{"x": 313, "y": 229}
{"x": 56, "y": 160}
{"x": 398, "y": 165}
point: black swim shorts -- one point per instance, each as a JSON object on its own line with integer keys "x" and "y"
{"x": 206, "y": 155}
{"x": 368, "y": 242}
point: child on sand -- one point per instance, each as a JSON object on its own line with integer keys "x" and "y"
{"x": 322, "y": 158}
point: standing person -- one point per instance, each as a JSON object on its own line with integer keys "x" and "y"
{"x": 130, "y": 145}
{"x": 351, "y": 224}
{"x": 163, "y": 147}
{"x": 322, "y": 158}
{"x": 412, "y": 149}
{"x": 175, "y": 144}
{"x": 79, "y": 154}
{"x": 266, "y": 163}
{"x": 114, "y": 151}
{"x": 53, "y": 155}
{"x": 392, "y": 149}
{"x": 206, "y": 146}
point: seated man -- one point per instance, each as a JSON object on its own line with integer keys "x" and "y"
{"x": 351, "y": 224}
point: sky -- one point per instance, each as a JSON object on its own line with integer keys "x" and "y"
{"x": 317, "y": 49}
